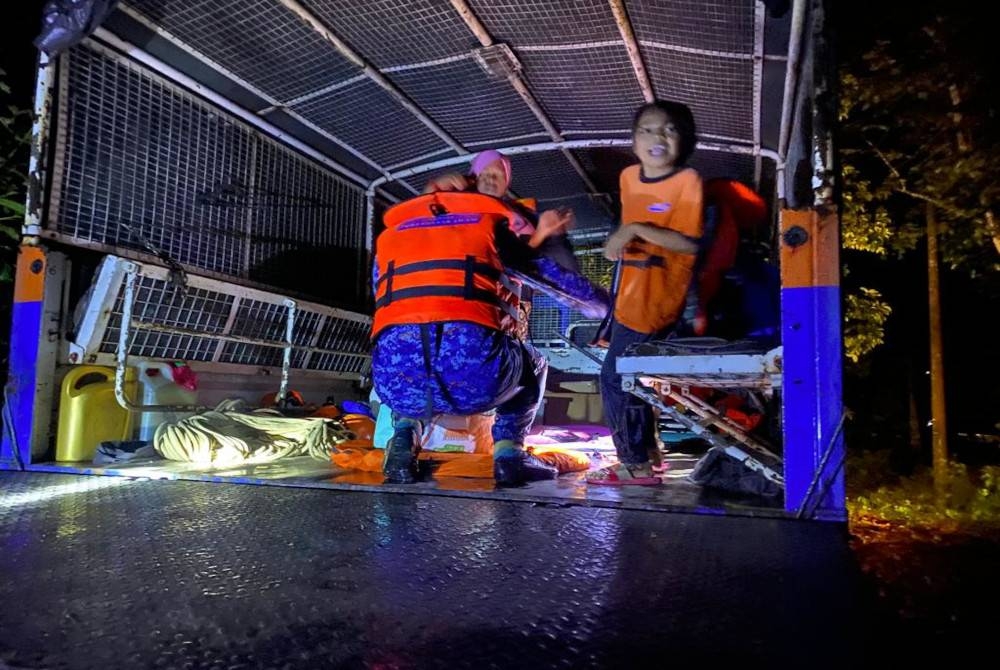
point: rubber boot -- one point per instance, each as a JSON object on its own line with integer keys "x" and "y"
{"x": 400, "y": 464}
{"x": 513, "y": 466}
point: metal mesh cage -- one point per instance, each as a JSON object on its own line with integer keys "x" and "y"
{"x": 391, "y": 33}
{"x": 219, "y": 322}
{"x": 718, "y": 90}
{"x": 694, "y": 24}
{"x": 445, "y": 91}
{"x": 146, "y": 162}
{"x": 365, "y": 116}
{"x": 546, "y": 21}
{"x": 570, "y": 53}
{"x": 584, "y": 88}
{"x": 260, "y": 41}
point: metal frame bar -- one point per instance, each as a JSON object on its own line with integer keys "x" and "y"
{"x": 758, "y": 83}
{"x": 128, "y": 323}
{"x": 177, "y": 77}
{"x": 632, "y": 46}
{"x": 749, "y": 452}
{"x": 40, "y": 134}
{"x": 371, "y": 72}
{"x": 793, "y": 64}
{"x": 273, "y": 102}
{"x": 519, "y": 85}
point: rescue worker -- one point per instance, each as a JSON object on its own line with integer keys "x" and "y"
{"x": 443, "y": 332}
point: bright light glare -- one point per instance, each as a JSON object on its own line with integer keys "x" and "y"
{"x": 46, "y": 493}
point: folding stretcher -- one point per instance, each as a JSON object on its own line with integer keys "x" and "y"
{"x": 667, "y": 370}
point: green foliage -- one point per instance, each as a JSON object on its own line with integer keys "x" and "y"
{"x": 874, "y": 492}
{"x": 595, "y": 266}
{"x": 918, "y": 129}
{"x": 865, "y": 315}
{"x": 15, "y": 134}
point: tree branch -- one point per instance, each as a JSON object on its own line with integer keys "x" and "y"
{"x": 993, "y": 229}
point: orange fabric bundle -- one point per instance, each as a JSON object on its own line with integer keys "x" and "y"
{"x": 478, "y": 466}
{"x": 366, "y": 460}
{"x": 327, "y": 412}
{"x": 566, "y": 460}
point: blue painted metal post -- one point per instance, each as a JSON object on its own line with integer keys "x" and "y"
{"x": 21, "y": 426}
{"x": 812, "y": 395}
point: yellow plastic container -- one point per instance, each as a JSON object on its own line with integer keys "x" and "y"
{"x": 89, "y": 413}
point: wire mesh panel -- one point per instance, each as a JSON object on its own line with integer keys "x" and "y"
{"x": 545, "y": 174}
{"x": 391, "y": 33}
{"x": 590, "y": 216}
{"x": 718, "y": 90}
{"x": 550, "y": 320}
{"x": 546, "y": 21}
{"x": 157, "y": 302}
{"x": 719, "y": 25}
{"x": 213, "y": 321}
{"x": 467, "y": 102}
{"x": 260, "y": 41}
{"x": 606, "y": 165}
{"x": 364, "y": 115}
{"x": 723, "y": 164}
{"x": 304, "y": 224}
{"x": 137, "y": 158}
{"x": 347, "y": 337}
{"x": 147, "y": 164}
{"x": 586, "y": 88}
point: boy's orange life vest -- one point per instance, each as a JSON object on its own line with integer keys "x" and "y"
{"x": 438, "y": 261}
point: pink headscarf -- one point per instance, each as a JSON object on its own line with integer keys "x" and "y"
{"x": 487, "y": 157}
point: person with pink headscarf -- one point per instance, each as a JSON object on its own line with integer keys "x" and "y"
{"x": 459, "y": 366}
{"x": 491, "y": 174}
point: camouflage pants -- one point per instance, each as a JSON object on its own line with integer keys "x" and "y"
{"x": 454, "y": 367}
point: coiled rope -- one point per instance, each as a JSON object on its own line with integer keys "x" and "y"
{"x": 230, "y": 435}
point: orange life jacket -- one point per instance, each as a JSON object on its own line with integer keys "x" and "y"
{"x": 438, "y": 261}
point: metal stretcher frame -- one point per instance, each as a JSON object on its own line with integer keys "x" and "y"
{"x": 655, "y": 377}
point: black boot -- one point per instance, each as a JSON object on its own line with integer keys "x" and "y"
{"x": 514, "y": 468}
{"x": 400, "y": 464}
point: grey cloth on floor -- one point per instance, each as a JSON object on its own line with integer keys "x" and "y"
{"x": 122, "y": 452}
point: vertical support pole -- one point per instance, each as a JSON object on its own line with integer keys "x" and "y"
{"x": 286, "y": 358}
{"x": 34, "y": 341}
{"x": 35, "y": 314}
{"x": 812, "y": 395}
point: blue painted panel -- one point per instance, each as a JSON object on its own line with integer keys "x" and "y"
{"x": 812, "y": 400}
{"x": 21, "y": 382}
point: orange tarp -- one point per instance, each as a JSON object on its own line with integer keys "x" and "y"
{"x": 459, "y": 464}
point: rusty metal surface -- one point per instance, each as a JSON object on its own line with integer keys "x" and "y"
{"x": 113, "y": 572}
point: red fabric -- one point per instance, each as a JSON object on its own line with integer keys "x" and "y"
{"x": 738, "y": 207}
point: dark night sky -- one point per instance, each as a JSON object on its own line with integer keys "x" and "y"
{"x": 21, "y": 24}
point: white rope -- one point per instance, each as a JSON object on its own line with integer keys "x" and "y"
{"x": 230, "y": 435}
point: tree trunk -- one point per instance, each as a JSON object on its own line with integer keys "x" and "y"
{"x": 939, "y": 426}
